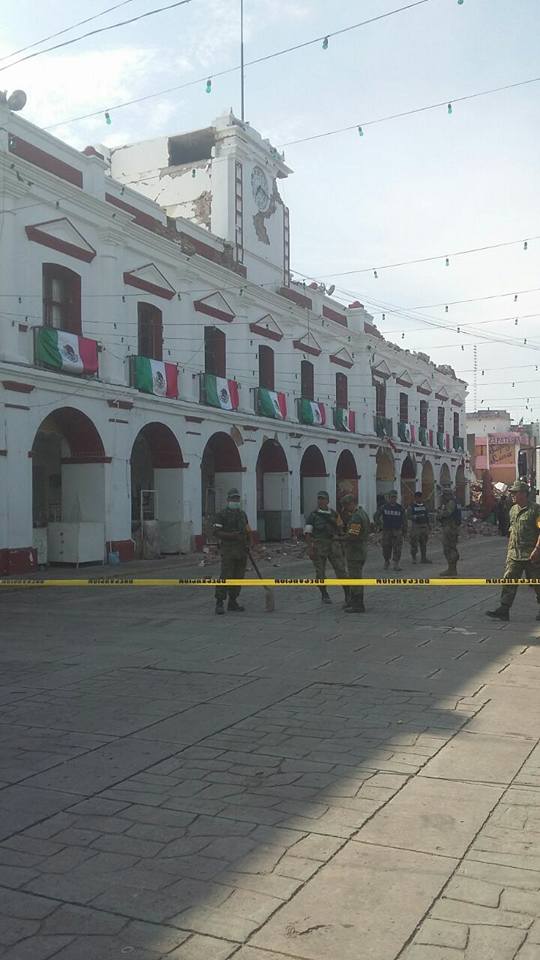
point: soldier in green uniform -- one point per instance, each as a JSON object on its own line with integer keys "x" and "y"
{"x": 231, "y": 528}
{"x": 356, "y": 532}
{"x": 523, "y": 554}
{"x": 322, "y": 532}
{"x": 448, "y": 516}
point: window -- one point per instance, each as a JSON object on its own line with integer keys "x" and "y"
{"x": 61, "y": 298}
{"x": 342, "y": 390}
{"x": 215, "y": 357}
{"x": 423, "y": 413}
{"x": 440, "y": 419}
{"x": 307, "y": 385}
{"x": 150, "y": 326}
{"x": 380, "y": 398}
{"x": 403, "y": 408}
{"x": 456, "y": 424}
{"x": 266, "y": 367}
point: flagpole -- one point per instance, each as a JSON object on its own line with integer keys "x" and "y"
{"x": 242, "y": 111}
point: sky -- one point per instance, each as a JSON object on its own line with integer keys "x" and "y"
{"x": 426, "y": 185}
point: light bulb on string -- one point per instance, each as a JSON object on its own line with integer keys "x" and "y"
{"x": 525, "y": 245}
{"x": 446, "y": 308}
{"x": 360, "y": 132}
{"x": 483, "y": 372}
{"x": 449, "y": 109}
{"x": 209, "y": 85}
{"x": 384, "y": 317}
{"x": 193, "y": 173}
{"x": 447, "y": 262}
{"x": 402, "y": 336}
{"x": 516, "y": 322}
{"x": 376, "y": 275}
{"x": 458, "y": 330}
{"x": 515, "y": 297}
{"x": 325, "y": 43}
{"x": 460, "y": 3}
{"x": 108, "y": 120}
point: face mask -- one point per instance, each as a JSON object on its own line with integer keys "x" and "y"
{"x": 234, "y": 505}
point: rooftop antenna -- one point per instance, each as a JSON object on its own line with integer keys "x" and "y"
{"x": 242, "y": 71}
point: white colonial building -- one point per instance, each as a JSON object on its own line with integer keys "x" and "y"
{"x": 154, "y": 352}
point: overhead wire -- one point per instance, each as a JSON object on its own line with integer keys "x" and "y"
{"x": 98, "y": 30}
{"x": 59, "y": 33}
{"x": 249, "y": 63}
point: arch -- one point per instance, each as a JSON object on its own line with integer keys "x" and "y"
{"x": 313, "y": 477}
{"x": 385, "y": 474}
{"x": 156, "y": 491}
{"x": 461, "y": 485}
{"x": 273, "y": 492}
{"x": 221, "y": 469}
{"x": 444, "y": 476}
{"x": 68, "y": 487}
{"x": 346, "y": 476}
{"x": 312, "y": 463}
{"x": 428, "y": 485}
{"x": 408, "y": 481}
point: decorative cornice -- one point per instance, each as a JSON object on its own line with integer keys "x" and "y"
{"x": 340, "y": 361}
{"x": 17, "y": 387}
{"x": 306, "y": 348}
{"x": 264, "y": 332}
{"x": 37, "y": 235}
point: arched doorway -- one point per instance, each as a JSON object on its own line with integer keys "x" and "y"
{"x": 385, "y": 476}
{"x": 428, "y": 485}
{"x": 221, "y": 469}
{"x": 313, "y": 477}
{"x": 461, "y": 485}
{"x": 157, "y": 511}
{"x": 346, "y": 476}
{"x": 444, "y": 476}
{"x": 273, "y": 492}
{"x": 68, "y": 489}
{"x": 408, "y": 481}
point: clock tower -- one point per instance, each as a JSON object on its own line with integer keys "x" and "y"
{"x": 224, "y": 178}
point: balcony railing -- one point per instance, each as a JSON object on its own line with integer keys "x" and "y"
{"x": 382, "y": 426}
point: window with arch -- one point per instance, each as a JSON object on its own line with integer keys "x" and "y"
{"x": 61, "y": 298}
{"x": 307, "y": 380}
{"x": 215, "y": 356}
{"x": 342, "y": 390}
{"x": 380, "y": 398}
{"x": 404, "y": 408}
{"x": 423, "y": 413}
{"x": 266, "y": 367}
{"x": 150, "y": 331}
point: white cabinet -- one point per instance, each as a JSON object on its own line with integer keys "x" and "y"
{"x": 76, "y": 542}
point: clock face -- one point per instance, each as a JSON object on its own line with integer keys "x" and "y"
{"x": 260, "y": 188}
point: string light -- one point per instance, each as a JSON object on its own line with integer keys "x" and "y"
{"x": 460, "y": 3}
{"x": 515, "y": 297}
{"x": 375, "y": 274}
{"x": 325, "y": 43}
{"x": 193, "y": 173}
{"x": 447, "y": 262}
{"x": 209, "y": 86}
{"x": 525, "y": 245}
{"x": 446, "y": 308}
{"x": 360, "y": 132}
{"x": 108, "y": 120}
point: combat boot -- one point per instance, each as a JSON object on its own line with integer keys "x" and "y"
{"x": 347, "y": 601}
{"x": 357, "y": 607}
{"x": 386, "y": 564}
{"x": 451, "y": 572}
{"x": 235, "y": 606}
{"x": 219, "y": 608}
{"x": 413, "y": 558}
{"x": 324, "y": 595}
{"x": 445, "y": 573}
{"x": 397, "y": 566}
{"x": 425, "y": 559}
{"x": 501, "y": 613}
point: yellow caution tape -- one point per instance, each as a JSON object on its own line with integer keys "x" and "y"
{"x": 274, "y": 582}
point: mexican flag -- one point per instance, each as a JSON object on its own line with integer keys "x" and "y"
{"x": 272, "y": 404}
{"x": 66, "y": 351}
{"x": 344, "y": 419}
{"x": 220, "y": 392}
{"x": 155, "y": 376}
{"x": 311, "y": 412}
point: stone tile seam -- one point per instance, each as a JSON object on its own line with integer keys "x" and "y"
{"x": 465, "y": 856}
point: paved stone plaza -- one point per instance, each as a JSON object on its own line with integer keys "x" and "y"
{"x": 303, "y": 784}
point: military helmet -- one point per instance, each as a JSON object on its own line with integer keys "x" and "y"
{"x": 323, "y": 495}
{"x": 233, "y": 494}
{"x": 520, "y": 486}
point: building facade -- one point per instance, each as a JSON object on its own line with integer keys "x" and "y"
{"x": 505, "y": 450}
{"x": 154, "y": 352}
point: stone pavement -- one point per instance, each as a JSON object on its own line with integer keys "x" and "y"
{"x": 304, "y": 784}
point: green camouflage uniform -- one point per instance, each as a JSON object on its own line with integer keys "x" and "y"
{"x": 233, "y": 552}
{"x": 324, "y": 526}
{"x": 356, "y": 540}
{"x": 524, "y": 532}
{"x": 446, "y": 515}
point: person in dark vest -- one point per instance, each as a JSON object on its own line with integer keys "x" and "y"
{"x": 322, "y": 533}
{"x": 232, "y": 531}
{"x": 393, "y": 519}
{"x": 420, "y": 528}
